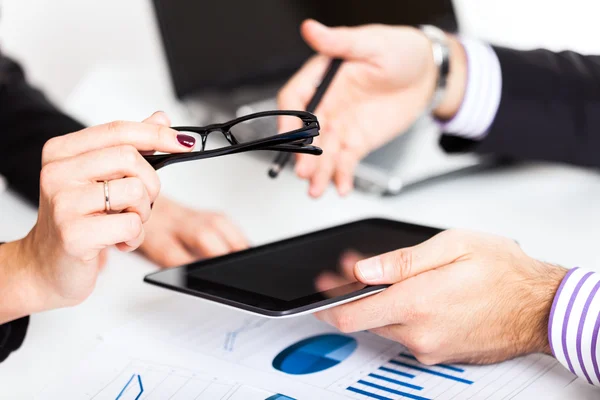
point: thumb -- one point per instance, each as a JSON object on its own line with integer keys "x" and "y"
{"x": 343, "y": 42}
{"x": 398, "y": 265}
{"x": 158, "y": 118}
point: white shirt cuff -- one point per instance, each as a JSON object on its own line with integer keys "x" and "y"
{"x": 482, "y": 94}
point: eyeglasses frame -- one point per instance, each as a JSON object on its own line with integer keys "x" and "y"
{"x": 296, "y": 141}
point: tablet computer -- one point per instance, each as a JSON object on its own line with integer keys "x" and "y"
{"x": 295, "y": 276}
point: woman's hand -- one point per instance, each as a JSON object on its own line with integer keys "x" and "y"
{"x": 57, "y": 263}
{"x": 386, "y": 81}
{"x": 177, "y": 235}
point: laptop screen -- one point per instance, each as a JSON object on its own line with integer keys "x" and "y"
{"x": 231, "y": 43}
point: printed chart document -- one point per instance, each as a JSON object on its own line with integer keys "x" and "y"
{"x": 191, "y": 349}
{"x": 110, "y": 374}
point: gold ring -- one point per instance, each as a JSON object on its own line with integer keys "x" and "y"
{"x": 106, "y": 197}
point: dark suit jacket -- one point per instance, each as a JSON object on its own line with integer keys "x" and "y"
{"x": 27, "y": 121}
{"x": 549, "y": 110}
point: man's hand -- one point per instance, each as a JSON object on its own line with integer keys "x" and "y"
{"x": 177, "y": 235}
{"x": 386, "y": 81}
{"x": 459, "y": 297}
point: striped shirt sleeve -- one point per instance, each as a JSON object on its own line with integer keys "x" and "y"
{"x": 482, "y": 93}
{"x": 574, "y": 324}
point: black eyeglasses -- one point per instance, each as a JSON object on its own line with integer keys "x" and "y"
{"x": 249, "y": 133}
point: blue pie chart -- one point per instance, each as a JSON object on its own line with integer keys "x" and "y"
{"x": 314, "y": 354}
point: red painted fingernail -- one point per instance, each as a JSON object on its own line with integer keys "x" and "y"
{"x": 186, "y": 140}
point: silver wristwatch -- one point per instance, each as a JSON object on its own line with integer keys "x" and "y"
{"x": 441, "y": 58}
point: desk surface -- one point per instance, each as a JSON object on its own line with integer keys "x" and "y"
{"x": 551, "y": 210}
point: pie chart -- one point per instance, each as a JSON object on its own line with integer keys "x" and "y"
{"x": 314, "y": 354}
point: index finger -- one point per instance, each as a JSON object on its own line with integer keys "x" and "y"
{"x": 381, "y": 309}
{"x": 143, "y": 136}
{"x": 295, "y": 95}
{"x": 297, "y": 92}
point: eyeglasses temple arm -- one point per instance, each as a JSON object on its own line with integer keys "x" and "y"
{"x": 158, "y": 161}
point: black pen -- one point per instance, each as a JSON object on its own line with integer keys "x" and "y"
{"x": 283, "y": 158}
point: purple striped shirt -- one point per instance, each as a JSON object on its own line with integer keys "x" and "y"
{"x": 574, "y": 323}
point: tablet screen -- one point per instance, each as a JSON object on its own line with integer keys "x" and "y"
{"x": 310, "y": 264}
{"x": 297, "y": 275}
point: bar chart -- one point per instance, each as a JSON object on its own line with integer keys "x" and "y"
{"x": 394, "y": 381}
{"x": 401, "y": 376}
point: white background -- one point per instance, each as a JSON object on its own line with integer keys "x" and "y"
{"x": 59, "y": 41}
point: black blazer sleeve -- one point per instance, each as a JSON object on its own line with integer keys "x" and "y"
{"x": 549, "y": 109}
{"x": 27, "y": 121}
{"x": 12, "y": 335}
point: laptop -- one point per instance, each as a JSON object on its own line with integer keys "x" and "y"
{"x": 229, "y": 58}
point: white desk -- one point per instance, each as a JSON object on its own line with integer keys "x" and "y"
{"x": 551, "y": 210}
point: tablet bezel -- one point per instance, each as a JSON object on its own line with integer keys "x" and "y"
{"x": 265, "y": 305}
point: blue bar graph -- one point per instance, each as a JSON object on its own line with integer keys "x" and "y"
{"x": 396, "y": 372}
{"x": 393, "y": 391}
{"x": 445, "y": 366}
{"x": 368, "y": 394}
{"x": 431, "y": 371}
{"x": 397, "y": 385}
{"x": 394, "y": 381}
